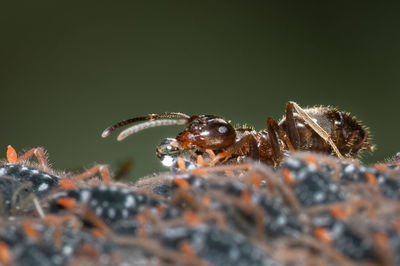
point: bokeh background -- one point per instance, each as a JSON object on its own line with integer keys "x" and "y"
{"x": 70, "y": 69}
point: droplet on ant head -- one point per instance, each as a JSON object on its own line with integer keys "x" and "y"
{"x": 167, "y": 151}
{"x": 168, "y": 161}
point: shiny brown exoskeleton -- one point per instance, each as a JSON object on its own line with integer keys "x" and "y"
{"x": 318, "y": 129}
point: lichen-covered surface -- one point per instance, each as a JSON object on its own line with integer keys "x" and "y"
{"x": 312, "y": 210}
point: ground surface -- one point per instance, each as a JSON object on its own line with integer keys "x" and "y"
{"x": 312, "y": 210}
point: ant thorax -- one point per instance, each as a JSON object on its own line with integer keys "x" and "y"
{"x": 169, "y": 150}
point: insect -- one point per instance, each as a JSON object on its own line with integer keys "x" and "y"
{"x": 318, "y": 129}
{"x": 108, "y": 202}
{"x": 40, "y": 176}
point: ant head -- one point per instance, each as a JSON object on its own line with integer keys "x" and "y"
{"x": 202, "y": 132}
{"x": 207, "y": 132}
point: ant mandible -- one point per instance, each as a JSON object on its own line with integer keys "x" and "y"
{"x": 317, "y": 129}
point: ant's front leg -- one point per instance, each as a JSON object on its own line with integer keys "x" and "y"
{"x": 237, "y": 148}
{"x": 317, "y": 128}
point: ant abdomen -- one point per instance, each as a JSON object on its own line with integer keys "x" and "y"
{"x": 349, "y": 136}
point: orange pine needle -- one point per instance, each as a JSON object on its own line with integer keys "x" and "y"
{"x": 322, "y": 234}
{"x": 142, "y": 232}
{"x": 381, "y": 239}
{"x": 67, "y": 202}
{"x": 200, "y": 160}
{"x": 229, "y": 173}
{"x": 199, "y": 172}
{"x": 52, "y": 219}
{"x": 89, "y": 251}
{"x": 67, "y": 184}
{"x": 30, "y": 230}
{"x": 5, "y": 253}
{"x": 287, "y": 175}
{"x": 339, "y": 213}
{"x": 191, "y": 217}
{"x": 186, "y": 248}
{"x": 210, "y": 153}
{"x": 371, "y": 178}
{"x": 160, "y": 208}
{"x": 311, "y": 160}
{"x": 181, "y": 182}
{"x": 141, "y": 218}
{"x": 181, "y": 164}
{"x": 206, "y": 201}
{"x": 12, "y": 156}
{"x": 98, "y": 234}
{"x": 380, "y": 167}
{"x": 396, "y": 225}
{"x": 246, "y": 196}
{"x": 257, "y": 181}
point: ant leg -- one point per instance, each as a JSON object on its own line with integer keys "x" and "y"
{"x": 273, "y": 140}
{"x": 291, "y": 126}
{"x": 317, "y": 128}
{"x": 281, "y": 133}
{"x": 39, "y": 153}
{"x": 236, "y": 148}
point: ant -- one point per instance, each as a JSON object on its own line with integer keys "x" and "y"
{"x": 319, "y": 129}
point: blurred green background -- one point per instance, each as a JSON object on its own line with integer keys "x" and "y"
{"x": 70, "y": 69}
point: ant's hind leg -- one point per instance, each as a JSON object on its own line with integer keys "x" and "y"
{"x": 274, "y": 140}
{"x": 282, "y": 134}
{"x": 317, "y": 128}
{"x": 291, "y": 126}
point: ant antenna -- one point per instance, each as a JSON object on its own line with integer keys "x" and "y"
{"x": 154, "y": 122}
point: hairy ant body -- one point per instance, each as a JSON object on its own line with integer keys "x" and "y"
{"x": 318, "y": 129}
